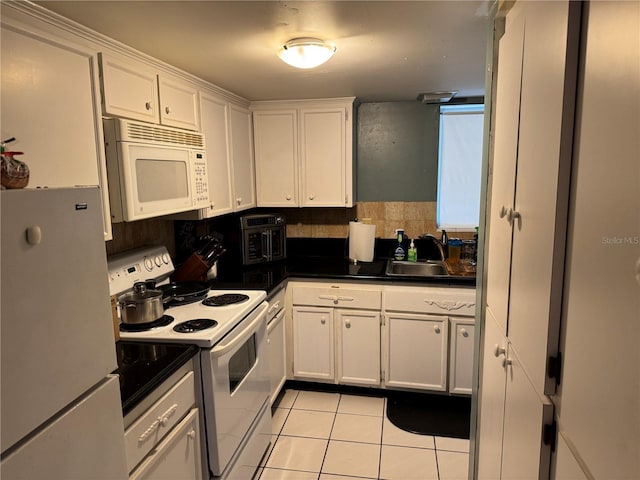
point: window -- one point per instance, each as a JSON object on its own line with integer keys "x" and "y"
{"x": 459, "y": 166}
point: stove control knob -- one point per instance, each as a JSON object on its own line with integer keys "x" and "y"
{"x": 158, "y": 260}
{"x": 148, "y": 264}
{"x": 165, "y": 258}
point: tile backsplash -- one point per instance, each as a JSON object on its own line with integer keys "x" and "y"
{"x": 416, "y": 218}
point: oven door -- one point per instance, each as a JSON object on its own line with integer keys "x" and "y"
{"x": 155, "y": 180}
{"x": 235, "y": 385}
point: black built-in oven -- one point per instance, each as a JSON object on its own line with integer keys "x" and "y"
{"x": 263, "y": 238}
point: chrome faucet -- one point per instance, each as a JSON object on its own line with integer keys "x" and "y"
{"x": 438, "y": 244}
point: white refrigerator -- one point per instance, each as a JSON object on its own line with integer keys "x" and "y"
{"x": 61, "y": 416}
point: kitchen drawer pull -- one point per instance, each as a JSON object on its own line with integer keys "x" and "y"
{"x": 164, "y": 418}
{"x": 147, "y": 433}
{"x": 346, "y": 299}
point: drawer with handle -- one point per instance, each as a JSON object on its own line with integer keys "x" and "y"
{"x": 337, "y": 296}
{"x": 148, "y": 430}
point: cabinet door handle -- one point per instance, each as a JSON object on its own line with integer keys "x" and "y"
{"x": 239, "y": 200}
{"x": 436, "y": 328}
{"x": 507, "y": 362}
{"x": 191, "y": 434}
{"x": 464, "y": 332}
{"x": 167, "y": 110}
{"x": 288, "y": 197}
{"x": 347, "y": 323}
{"x": 311, "y": 197}
{"x": 498, "y": 350}
{"x": 147, "y": 105}
{"x": 323, "y": 320}
{"x": 503, "y": 211}
{"x": 512, "y": 215}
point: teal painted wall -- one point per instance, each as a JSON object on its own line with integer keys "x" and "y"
{"x": 397, "y": 152}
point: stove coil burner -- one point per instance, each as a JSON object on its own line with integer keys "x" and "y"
{"x": 142, "y": 327}
{"x": 195, "y": 325}
{"x": 225, "y": 299}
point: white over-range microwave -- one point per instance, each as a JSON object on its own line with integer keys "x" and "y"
{"x": 153, "y": 170}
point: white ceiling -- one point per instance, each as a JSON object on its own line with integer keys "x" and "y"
{"x": 386, "y": 50}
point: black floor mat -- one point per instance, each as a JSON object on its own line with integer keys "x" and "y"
{"x": 427, "y": 414}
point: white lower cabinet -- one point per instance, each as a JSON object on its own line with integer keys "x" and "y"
{"x": 162, "y": 433}
{"x": 358, "y": 347}
{"x": 313, "y": 343}
{"x": 461, "y": 340}
{"x": 404, "y": 337}
{"x": 416, "y": 351}
{"x": 424, "y": 345}
{"x": 336, "y": 324}
{"x": 177, "y": 456}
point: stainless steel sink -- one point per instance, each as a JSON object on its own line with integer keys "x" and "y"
{"x": 415, "y": 269}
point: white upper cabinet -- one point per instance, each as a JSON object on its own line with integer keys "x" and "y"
{"x": 178, "y": 103}
{"x": 129, "y": 89}
{"x": 135, "y": 90}
{"x": 276, "y": 147}
{"x": 323, "y": 152}
{"x": 304, "y": 153}
{"x": 214, "y": 112}
{"x": 242, "y": 158}
{"x": 50, "y": 105}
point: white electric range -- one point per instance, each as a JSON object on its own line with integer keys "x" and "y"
{"x": 229, "y": 326}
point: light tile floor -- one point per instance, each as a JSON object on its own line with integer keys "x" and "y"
{"x": 333, "y": 436}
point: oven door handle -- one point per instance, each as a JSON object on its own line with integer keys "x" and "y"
{"x": 239, "y": 339}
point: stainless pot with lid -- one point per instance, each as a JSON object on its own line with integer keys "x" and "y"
{"x": 142, "y": 305}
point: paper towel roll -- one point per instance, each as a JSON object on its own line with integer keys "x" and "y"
{"x": 361, "y": 241}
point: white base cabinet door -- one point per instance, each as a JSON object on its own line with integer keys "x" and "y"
{"x": 461, "y": 343}
{"x": 491, "y": 401}
{"x": 358, "y": 347}
{"x": 313, "y": 352}
{"x": 416, "y": 351}
{"x": 178, "y": 456}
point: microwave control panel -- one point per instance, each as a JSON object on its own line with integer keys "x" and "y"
{"x": 200, "y": 179}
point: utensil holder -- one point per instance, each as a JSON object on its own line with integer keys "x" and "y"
{"x": 194, "y": 269}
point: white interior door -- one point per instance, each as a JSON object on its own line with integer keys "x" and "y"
{"x": 544, "y": 161}
{"x": 503, "y": 171}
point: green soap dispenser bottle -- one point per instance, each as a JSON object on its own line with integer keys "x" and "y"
{"x": 400, "y": 252}
{"x": 412, "y": 255}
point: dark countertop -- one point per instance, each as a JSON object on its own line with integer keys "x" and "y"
{"x": 143, "y": 366}
{"x": 320, "y": 259}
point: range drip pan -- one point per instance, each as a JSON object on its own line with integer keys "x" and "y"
{"x": 195, "y": 325}
{"x": 225, "y": 299}
{"x": 141, "y": 327}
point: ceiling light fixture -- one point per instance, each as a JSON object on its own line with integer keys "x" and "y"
{"x": 306, "y": 52}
